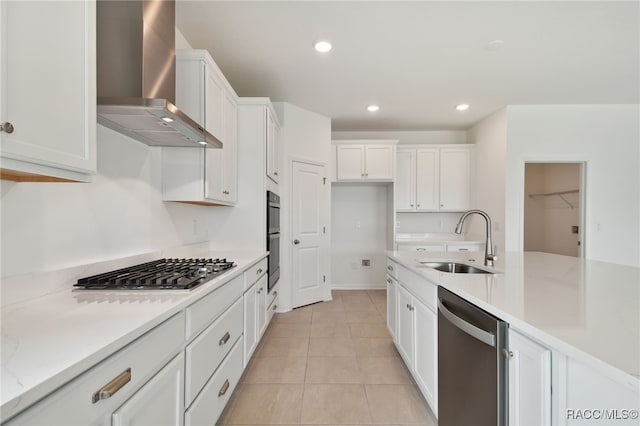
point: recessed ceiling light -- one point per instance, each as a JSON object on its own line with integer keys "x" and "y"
{"x": 167, "y": 119}
{"x": 323, "y": 46}
{"x": 462, "y": 107}
{"x": 202, "y": 143}
{"x": 373, "y": 108}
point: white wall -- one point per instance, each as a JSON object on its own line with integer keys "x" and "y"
{"x": 305, "y": 135}
{"x": 47, "y": 226}
{"x": 409, "y": 137}
{"x": 490, "y": 138}
{"x": 606, "y": 138}
{"x": 360, "y": 223}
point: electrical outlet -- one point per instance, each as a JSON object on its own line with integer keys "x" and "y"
{"x": 365, "y": 263}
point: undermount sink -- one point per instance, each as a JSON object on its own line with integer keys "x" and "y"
{"x": 455, "y": 268}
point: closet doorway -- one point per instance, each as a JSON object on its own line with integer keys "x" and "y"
{"x": 553, "y": 208}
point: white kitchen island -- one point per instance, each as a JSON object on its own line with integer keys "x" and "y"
{"x": 581, "y": 316}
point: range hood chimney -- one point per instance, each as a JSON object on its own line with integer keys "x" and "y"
{"x": 136, "y": 68}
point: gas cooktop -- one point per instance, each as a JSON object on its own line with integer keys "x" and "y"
{"x": 163, "y": 274}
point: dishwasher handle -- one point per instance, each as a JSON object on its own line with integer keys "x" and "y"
{"x": 473, "y": 331}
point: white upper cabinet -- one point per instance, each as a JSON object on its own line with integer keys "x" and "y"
{"x": 48, "y": 108}
{"x": 433, "y": 179}
{"x": 455, "y": 167}
{"x": 273, "y": 146}
{"x": 365, "y": 160}
{"x": 198, "y": 175}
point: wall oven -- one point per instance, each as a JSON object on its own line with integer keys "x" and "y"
{"x": 273, "y": 237}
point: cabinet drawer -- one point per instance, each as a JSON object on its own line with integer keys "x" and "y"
{"x": 252, "y": 274}
{"x": 209, "y": 348}
{"x": 72, "y": 404}
{"x": 392, "y": 268}
{"x": 422, "y": 288}
{"x": 205, "y": 310}
{"x": 209, "y": 404}
{"x": 421, "y": 247}
{"x": 465, "y": 247}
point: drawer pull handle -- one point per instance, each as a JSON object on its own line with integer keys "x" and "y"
{"x": 224, "y": 339}
{"x": 108, "y": 390}
{"x": 259, "y": 271}
{"x": 224, "y": 388}
{"x": 421, "y": 249}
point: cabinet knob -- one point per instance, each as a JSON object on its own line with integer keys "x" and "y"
{"x": 441, "y": 205}
{"x": 296, "y": 242}
{"x": 275, "y": 173}
{"x": 6, "y": 127}
{"x": 418, "y": 205}
{"x": 410, "y": 205}
{"x": 259, "y": 271}
{"x": 389, "y": 280}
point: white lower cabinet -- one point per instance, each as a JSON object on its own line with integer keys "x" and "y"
{"x": 584, "y": 395}
{"x": 159, "y": 402}
{"x": 529, "y": 382}
{"x": 392, "y": 318}
{"x": 258, "y": 307}
{"x": 126, "y": 374}
{"x": 417, "y": 342}
{"x": 425, "y": 364}
{"x": 209, "y": 404}
{"x": 404, "y": 337}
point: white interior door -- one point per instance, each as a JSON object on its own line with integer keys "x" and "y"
{"x": 310, "y": 248}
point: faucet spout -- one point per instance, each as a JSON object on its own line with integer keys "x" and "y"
{"x": 489, "y": 255}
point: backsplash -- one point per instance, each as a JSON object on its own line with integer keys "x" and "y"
{"x": 412, "y": 223}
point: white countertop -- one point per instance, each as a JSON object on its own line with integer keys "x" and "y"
{"x": 586, "y": 309}
{"x": 51, "y": 338}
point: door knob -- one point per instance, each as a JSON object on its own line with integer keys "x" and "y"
{"x": 296, "y": 242}
{"x": 6, "y": 127}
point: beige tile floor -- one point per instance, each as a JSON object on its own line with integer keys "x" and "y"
{"x": 330, "y": 363}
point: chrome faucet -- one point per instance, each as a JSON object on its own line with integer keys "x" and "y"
{"x": 489, "y": 255}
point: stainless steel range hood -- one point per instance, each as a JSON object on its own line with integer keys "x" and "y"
{"x": 137, "y": 75}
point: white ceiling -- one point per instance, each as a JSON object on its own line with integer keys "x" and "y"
{"x": 419, "y": 59}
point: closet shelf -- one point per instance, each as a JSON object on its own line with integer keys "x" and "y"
{"x": 565, "y": 196}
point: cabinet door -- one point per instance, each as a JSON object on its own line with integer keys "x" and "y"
{"x": 213, "y": 174}
{"x": 427, "y": 179}
{"x": 404, "y": 337}
{"x": 48, "y": 90}
{"x": 426, "y": 353}
{"x": 214, "y": 105}
{"x": 250, "y": 324}
{"x": 405, "y": 184}
{"x": 378, "y": 162}
{"x": 230, "y": 149}
{"x": 261, "y": 290}
{"x": 391, "y": 307}
{"x": 455, "y": 179}
{"x": 350, "y": 162}
{"x": 159, "y": 402}
{"x": 529, "y": 382}
{"x": 273, "y": 138}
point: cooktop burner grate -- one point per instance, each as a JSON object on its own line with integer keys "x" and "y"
{"x": 163, "y": 274}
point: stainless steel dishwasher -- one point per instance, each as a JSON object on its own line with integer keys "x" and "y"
{"x": 472, "y": 369}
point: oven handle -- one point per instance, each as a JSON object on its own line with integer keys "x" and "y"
{"x": 470, "y": 329}
{"x": 274, "y": 204}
